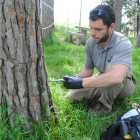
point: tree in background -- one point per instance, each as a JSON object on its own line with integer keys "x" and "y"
{"x": 118, "y": 5}
{"x": 126, "y": 28}
{"x": 138, "y": 18}
{"x": 132, "y": 10}
{"x": 23, "y": 76}
{"x": 108, "y": 2}
{"x": 47, "y": 18}
{"x": 138, "y": 26}
{"x": 138, "y": 41}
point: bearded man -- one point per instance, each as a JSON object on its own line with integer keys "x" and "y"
{"x": 110, "y": 53}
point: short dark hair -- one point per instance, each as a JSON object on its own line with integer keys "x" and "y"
{"x": 104, "y": 12}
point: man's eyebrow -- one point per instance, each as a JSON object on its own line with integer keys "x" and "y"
{"x": 99, "y": 28}
{"x": 96, "y": 27}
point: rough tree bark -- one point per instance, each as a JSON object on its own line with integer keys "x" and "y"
{"x": 47, "y": 18}
{"x": 23, "y": 76}
{"x": 118, "y": 4}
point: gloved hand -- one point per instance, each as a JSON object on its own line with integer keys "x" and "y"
{"x": 72, "y": 82}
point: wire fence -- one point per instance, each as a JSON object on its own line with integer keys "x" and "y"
{"x": 42, "y": 15}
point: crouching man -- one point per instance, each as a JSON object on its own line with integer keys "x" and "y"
{"x": 110, "y": 53}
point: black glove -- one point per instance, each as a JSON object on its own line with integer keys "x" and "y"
{"x": 72, "y": 82}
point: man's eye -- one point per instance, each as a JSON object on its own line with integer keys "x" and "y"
{"x": 98, "y": 29}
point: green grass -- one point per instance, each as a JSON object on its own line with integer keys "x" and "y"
{"x": 63, "y": 58}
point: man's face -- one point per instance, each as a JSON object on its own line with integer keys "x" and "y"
{"x": 99, "y": 31}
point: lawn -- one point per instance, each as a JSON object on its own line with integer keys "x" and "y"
{"x": 63, "y": 58}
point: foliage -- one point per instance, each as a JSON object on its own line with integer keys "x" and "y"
{"x": 64, "y": 58}
{"x": 130, "y": 7}
{"x": 108, "y": 2}
{"x": 126, "y": 28}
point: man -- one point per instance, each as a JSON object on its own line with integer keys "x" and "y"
{"x": 110, "y": 53}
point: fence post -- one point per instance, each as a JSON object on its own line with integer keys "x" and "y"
{"x": 80, "y": 14}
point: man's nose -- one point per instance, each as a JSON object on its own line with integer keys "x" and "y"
{"x": 93, "y": 32}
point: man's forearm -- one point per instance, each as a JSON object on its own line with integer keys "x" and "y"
{"x": 85, "y": 73}
{"x": 103, "y": 80}
{"x": 115, "y": 76}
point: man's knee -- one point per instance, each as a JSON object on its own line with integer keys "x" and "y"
{"x": 69, "y": 95}
{"x": 74, "y": 94}
{"x": 83, "y": 93}
{"x": 128, "y": 89}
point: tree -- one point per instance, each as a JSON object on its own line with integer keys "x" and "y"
{"x": 23, "y": 76}
{"x": 108, "y": 2}
{"x": 126, "y": 28}
{"x": 47, "y": 18}
{"x": 132, "y": 10}
{"x": 138, "y": 40}
{"x": 138, "y": 18}
{"x": 118, "y": 4}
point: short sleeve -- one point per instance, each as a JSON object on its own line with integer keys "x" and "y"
{"x": 122, "y": 52}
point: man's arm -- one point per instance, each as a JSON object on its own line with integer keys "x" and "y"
{"x": 75, "y": 82}
{"x": 86, "y": 73}
{"x": 115, "y": 76}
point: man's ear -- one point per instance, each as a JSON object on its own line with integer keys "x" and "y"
{"x": 112, "y": 27}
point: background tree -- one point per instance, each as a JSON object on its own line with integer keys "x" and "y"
{"x": 138, "y": 40}
{"x": 118, "y": 4}
{"x": 23, "y": 76}
{"x": 138, "y": 18}
{"x": 138, "y": 26}
{"x": 132, "y": 10}
{"x": 47, "y": 18}
{"x": 108, "y": 2}
{"x": 126, "y": 28}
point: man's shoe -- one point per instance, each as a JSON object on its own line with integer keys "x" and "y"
{"x": 98, "y": 110}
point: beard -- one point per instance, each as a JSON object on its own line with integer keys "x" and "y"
{"x": 104, "y": 38}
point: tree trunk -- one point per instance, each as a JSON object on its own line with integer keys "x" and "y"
{"x": 23, "y": 76}
{"x": 47, "y": 18}
{"x": 138, "y": 41}
{"x": 138, "y": 25}
{"x": 135, "y": 24}
{"x": 138, "y": 18}
{"x": 118, "y": 4}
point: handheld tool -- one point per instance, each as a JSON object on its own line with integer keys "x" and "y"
{"x": 59, "y": 80}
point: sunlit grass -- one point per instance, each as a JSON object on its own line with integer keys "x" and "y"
{"x": 63, "y": 58}
{"x": 66, "y": 58}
